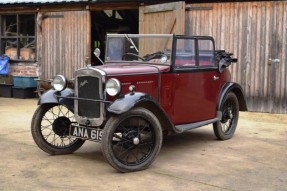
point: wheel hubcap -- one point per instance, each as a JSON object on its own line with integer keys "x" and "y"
{"x": 131, "y": 137}
{"x": 61, "y": 126}
{"x": 136, "y": 141}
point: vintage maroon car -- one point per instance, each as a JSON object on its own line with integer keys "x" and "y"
{"x": 148, "y": 86}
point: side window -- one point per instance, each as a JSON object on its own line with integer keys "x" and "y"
{"x": 206, "y": 52}
{"x": 18, "y": 36}
{"x": 185, "y": 53}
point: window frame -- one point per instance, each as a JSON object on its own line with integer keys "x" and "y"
{"x": 197, "y": 65}
{"x": 18, "y": 36}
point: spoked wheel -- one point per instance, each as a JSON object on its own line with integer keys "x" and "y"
{"x": 50, "y": 129}
{"x": 131, "y": 141}
{"x": 225, "y": 128}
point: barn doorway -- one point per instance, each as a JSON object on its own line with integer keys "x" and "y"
{"x": 111, "y": 21}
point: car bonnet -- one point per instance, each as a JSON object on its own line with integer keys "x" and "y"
{"x": 133, "y": 69}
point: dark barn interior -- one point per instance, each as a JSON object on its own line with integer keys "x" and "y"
{"x": 111, "y": 21}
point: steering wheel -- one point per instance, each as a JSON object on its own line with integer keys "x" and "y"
{"x": 132, "y": 54}
{"x": 155, "y": 55}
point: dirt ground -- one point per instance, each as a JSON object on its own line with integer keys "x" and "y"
{"x": 254, "y": 159}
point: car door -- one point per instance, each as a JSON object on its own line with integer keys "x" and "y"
{"x": 197, "y": 80}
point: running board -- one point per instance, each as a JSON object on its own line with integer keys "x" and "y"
{"x": 186, "y": 127}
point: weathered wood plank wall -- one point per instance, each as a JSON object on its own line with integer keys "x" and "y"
{"x": 165, "y": 18}
{"x": 255, "y": 32}
{"x": 64, "y": 43}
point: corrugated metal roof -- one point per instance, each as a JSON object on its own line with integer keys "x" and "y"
{"x": 39, "y": 1}
{"x": 15, "y": 2}
{"x": 145, "y": 1}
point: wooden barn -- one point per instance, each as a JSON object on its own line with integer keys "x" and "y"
{"x": 47, "y": 37}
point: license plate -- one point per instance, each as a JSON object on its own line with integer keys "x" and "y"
{"x": 86, "y": 133}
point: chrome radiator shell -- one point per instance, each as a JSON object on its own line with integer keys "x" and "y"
{"x": 89, "y": 84}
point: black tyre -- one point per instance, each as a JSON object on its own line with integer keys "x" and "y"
{"x": 50, "y": 129}
{"x": 132, "y": 140}
{"x": 225, "y": 128}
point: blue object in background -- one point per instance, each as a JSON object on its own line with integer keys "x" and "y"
{"x": 25, "y": 81}
{"x": 4, "y": 68}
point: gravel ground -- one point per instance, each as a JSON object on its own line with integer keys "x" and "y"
{"x": 254, "y": 159}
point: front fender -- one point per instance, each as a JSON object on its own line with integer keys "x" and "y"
{"x": 138, "y": 99}
{"x": 127, "y": 102}
{"x": 49, "y": 97}
{"x": 237, "y": 90}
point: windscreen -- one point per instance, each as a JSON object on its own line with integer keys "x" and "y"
{"x": 139, "y": 48}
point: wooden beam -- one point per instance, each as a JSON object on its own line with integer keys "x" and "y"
{"x": 68, "y": 7}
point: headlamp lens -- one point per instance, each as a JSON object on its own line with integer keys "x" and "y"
{"x": 59, "y": 82}
{"x": 113, "y": 87}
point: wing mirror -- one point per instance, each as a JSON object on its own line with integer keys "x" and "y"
{"x": 97, "y": 53}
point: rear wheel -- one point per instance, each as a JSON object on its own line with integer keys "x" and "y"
{"x": 50, "y": 129}
{"x": 225, "y": 128}
{"x": 132, "y": 140}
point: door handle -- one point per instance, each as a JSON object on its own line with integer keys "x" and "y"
{"x": 215, "y": 77}
{"x": 273, "y": 61}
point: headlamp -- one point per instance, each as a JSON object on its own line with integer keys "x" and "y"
{"x": 113, "y": 87}
{"x": 59, "y": 83}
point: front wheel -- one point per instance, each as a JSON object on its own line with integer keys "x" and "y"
{"x": 225, "y": 128}
{"x": 50, "y": 129}
{"x": 132, "y": 140}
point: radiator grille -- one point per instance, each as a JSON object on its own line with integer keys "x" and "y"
{"x": 89, "y": 88}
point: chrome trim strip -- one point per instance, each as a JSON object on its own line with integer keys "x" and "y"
{"x": 84, "y": 99}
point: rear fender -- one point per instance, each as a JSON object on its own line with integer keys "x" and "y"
{"x": 49, "y": 97}
{"x": 237, "y": 90}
